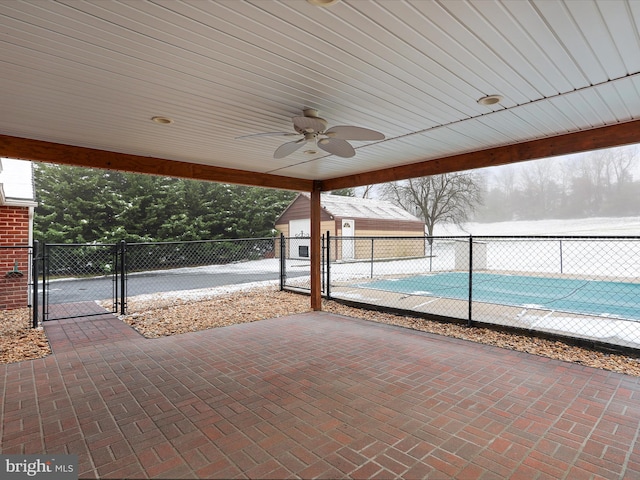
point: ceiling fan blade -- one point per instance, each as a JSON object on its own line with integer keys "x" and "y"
{"x": 288, "y": 148}
{"x": 309, "y": 124}
{"x": 268, "y": 134}
{"x": 346, "y": 132}
{"x": 337, "y": 146}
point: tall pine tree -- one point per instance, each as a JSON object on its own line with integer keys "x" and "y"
{"x": 80, "y": 205}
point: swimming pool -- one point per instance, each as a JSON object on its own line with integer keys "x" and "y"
{"x": 589, "y": 297}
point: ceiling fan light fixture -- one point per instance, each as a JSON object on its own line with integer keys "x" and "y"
{"x": 314, "y": 131}
{"x": 490, "y": 100}
{"x": 162, "y": 120}
{"x": 322, "y": 3}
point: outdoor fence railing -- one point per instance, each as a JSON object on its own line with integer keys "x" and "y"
{"x": 295, "y": 263}
{"x": 585, "y": 288}
{"x": 70, "y": 278}
{"x": 69, "y": 274}
{"x": 196, "y": 265}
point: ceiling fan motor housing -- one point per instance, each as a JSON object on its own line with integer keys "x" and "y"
{"x": 309, "y": 124}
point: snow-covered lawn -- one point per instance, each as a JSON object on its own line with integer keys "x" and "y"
{"x": 267, "y": 265}
{"x": 609, "y": 226}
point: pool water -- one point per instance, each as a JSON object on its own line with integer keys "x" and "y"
{"x": 592, "y": 297}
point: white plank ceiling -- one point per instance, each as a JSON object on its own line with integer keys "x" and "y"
{"x": 94, "y": 73}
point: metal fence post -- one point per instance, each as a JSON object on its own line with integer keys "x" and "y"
{"x": 35, "y": 276}
{"x": 123, "y": 277}
{"x": 430, "y": 254}
{"x": 283, "y": 273}
{"x": 45, "y": 272}
{"x": 372, "y": 257}
{"x": 328, "y": 284}
{"x": 322, "y": 278}
{"x": 469, "y": 320}
{"x": 561, "y": 268}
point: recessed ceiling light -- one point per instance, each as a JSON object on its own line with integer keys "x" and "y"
{"x": 162, "y": 120}
{"x": 310, "y": 152}
{"x": 322, "y": 3}
{"x": 490, "y": 100}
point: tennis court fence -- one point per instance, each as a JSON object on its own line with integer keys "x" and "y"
{"x": 585, "y": 288}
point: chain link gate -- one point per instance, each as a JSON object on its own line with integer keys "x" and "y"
{"x": 76, "y": 276}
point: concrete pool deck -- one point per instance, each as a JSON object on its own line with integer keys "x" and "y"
{"x": 606, "y": 330}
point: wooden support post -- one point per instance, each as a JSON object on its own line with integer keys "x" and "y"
{"x": 316, "y": 284}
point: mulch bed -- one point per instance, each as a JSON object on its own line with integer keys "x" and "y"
{"x": 162, "y": 315}
{"x": 18, "y": 341}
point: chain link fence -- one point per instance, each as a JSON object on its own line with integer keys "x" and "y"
{"x": 73, "y": 276}
{"x": 192, "y": 266}
{"x": 580, "y": 287}
{"x": 390, "y": 276}
{"x": 294, "y": 254}
{"x": 77, "y": 280}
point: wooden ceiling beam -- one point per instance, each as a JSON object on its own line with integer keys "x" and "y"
{"x": 41, "y": 151}
{"x": 597, "y": 138}
{"x": 576, "y": 142}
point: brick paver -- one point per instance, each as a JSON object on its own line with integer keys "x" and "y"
{"x": 314, "y": 395}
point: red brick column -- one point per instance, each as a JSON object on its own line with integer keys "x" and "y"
{"x": 14, "y": 262}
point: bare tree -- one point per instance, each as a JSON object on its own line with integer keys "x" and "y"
{"x": 540, "y": 187}
{"x": 366, "y": 191}
{"x": 599, "y": 182}
{"x": 620, "y": 163}
{"x": 449, "y": 197}
{"x": 506, "y": 180}
{"x": 344, "y": 192}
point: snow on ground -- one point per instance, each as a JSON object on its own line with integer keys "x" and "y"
{"x": 251, "y": 266}
{"x": 611, "y": 329}
{"x": 202, "y": 294}
{"x": 609, "y": 226}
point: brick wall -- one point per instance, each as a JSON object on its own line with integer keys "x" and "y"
{"x": 14, "y": 232}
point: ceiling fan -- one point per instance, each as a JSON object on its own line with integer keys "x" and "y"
{"x": 314, "y": 131}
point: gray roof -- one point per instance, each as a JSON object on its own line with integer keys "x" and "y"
{"x": 16, "y": 181}
{"x": 354, "y": 207}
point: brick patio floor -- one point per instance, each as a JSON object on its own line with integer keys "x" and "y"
{"x": 314, "y": 395}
